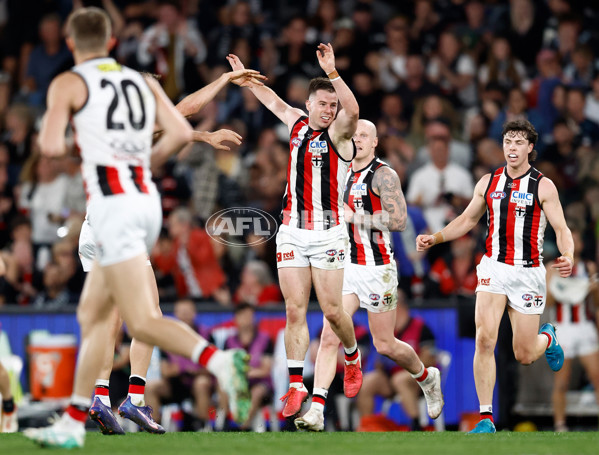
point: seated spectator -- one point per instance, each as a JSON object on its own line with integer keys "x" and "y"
{"x": 502, "y": 67}
{"x": 413, "y": 266}
{"x": 257, "y": 286}
{"x": 8, "y": 209}
{"x": 65, "y": 254}
{"x": 585, "y": 130}
{"x": 454, "y": 71}
{"x": 517, "y": 107}
{"x": 17, "y": 283}
{"x": 18, "y": 137}
{"x": 42, "y": 195}
{"x": 48, "y": 59}
{"x": 582, "y": 70}
{"x": 591, "y": 108}
{"x": 440, "y": 187}
{"x": 415, "y": 86}
{"x": 182, "y": 379}
{"x": 385, "y": 378}
{"x": 455, "y": 273}
{"x": 440, "y": 127}
{"x": 190, "y": 258}
{"x": 55, "y": 293}
{"x": 260, "y": 348}
{"x": 169, "y": 45}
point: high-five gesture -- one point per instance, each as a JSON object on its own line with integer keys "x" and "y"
{"x": 326, "y": 57}
{"x": 243, "y": 80}
{"x": 246, "y": 77}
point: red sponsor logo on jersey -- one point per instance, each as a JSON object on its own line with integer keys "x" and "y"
{"x": 498, "y": 195}
{"x": 285, "y": 256}
{"x": 484, "y": 281}
{"x": 296, "y": 142}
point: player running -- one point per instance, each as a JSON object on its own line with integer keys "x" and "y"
{"x": 518, "y": 200}
{"x": 113, "y": 111}
{"x": 133, "y": 408}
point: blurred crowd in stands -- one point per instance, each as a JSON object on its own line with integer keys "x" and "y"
{"x": 438, "y": 78}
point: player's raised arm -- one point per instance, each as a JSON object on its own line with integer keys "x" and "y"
{"x": 461, "y": 224}
{"x": 268, "y": 97}
{"x": 549, "y": 199}
{"x": 176, "y": 131}
{"x": 346, "y": 122}
{"x": 194, "y": 102}
{"x": 67, "y": 93}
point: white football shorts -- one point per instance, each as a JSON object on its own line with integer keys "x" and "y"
{"x": 375, "y": 285}
{"x": 525, "y": 287}
{"x": 124, "y": 226}
{"x": 304, "y": 247}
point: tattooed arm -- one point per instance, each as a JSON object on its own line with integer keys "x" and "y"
{"x": 386, "y": 185}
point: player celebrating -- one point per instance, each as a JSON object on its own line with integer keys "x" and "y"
{"x": 518, "y": 200}
{"x": 312, "y": 240}
{"x": 374, "y": 206}
{"x": 113, "y": 111}
{"x": 133, "y": 408}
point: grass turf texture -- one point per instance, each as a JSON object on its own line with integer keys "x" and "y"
{"x": 508, "y": 443}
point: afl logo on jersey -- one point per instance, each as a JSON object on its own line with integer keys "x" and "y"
{"x": 498, "y": 195}
{"x": 296, "y": 142}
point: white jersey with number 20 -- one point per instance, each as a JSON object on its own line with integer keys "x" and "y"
{"x": 114, "y": 128}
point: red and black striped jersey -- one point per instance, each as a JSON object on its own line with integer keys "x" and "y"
{"x": 315, "y": 179}
{"x": 516, "y": 222}
{"x": 368, "y": 246}
{"x": 572, "y": 313}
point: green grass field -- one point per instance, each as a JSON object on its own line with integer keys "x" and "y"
{"x": 541, "y": 443}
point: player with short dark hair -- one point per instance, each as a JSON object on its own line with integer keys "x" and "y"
{"x": 312, "y": 241}
{"x": 374, "y": 206}
{"x": 519, "y": 201}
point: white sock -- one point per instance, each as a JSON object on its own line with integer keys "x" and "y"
{"x": 197, "y": 350}
{"x": 216, "y": 362}
{"x": 486, "y": 408}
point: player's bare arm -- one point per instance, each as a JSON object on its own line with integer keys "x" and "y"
{"x": 344, "y": 126}
{"x": 217, "y": 138}
{"x": 461, "y": 224}
{"x": 549, "y": 199}
{"x": 176, "y": 130}
{"x": 273, "y": 102}
{"x": 387, "y": 186}
{"x": 67, "y": 94}
{"x": 196, "y": 101}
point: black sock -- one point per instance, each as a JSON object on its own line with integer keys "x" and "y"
{"x": 136, "y": 380}
{"x": 8, "y": 406}
{"x": 416, "y": 424}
